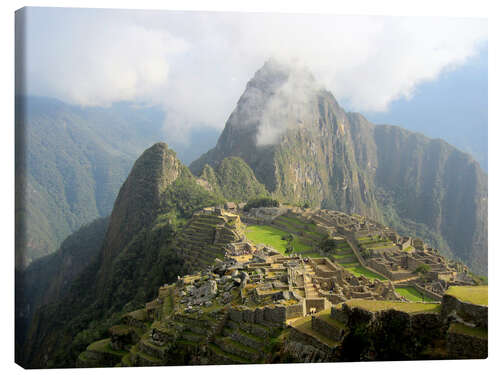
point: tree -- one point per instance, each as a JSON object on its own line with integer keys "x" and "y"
{"x": 261, "y": 202}
{"x": 422, "y": 269}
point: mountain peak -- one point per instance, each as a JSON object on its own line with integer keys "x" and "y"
{"x": 275, "y": 73}
{"x": 139, "y": 198}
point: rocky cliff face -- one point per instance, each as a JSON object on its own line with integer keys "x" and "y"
{"x": 297, "y": 140}
{"x": 305, "y": 148}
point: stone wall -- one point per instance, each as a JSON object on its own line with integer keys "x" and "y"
{"x": 295, "y": 311}
{"x": 310, "y": 349}
{"x": 413, "y": 263}
{"x": 426, "y": 292}
{"x": 384, "y": 270}
{"x": 327, "y": 270}
{"x": 275, "y": 314}
{"x": 468, "y": 312}
{"x": 317, "y": 303}
{"x": 332, "y": 332}
{"x": 340, "y": 314}
{"x": 465, "y": 346}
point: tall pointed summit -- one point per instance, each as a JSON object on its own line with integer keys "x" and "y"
{"x": 305, "y": 148}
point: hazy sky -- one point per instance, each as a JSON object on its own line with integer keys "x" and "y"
{"x": 196, "y": 65}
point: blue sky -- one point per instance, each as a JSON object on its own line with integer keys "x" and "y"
{"x": 453, "y": 107}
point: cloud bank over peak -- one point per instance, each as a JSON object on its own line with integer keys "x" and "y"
{"x": 196, "y": 65}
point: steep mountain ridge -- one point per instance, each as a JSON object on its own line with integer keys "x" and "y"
{"x": 139, "y": 199}
{"x": 233, "y": 179}
{"x": 137, "y": 256}
{"x": 305, "y": 148}
{"x": 71, "y": 162}
{"x": 296, "y": 138}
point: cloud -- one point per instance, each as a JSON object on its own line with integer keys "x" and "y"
{"x": 94, "y": 60}
{"x": 196, "y": 65}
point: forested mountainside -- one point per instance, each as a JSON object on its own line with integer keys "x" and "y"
{"x": 138, "y": 254}
{"x": 233, "y": 179}
{"x": 49, "y": 278}
{"x": 71, "y": 162}
{"x": 305, "y": 148}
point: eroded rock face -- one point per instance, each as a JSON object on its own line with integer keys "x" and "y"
{"x": 305, "y": 148}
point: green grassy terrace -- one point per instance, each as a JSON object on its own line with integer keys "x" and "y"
{"x": 270, "y": 236}
{"x": 357, "y": 270}
{"x": 409, "y": 307}
{"x": 473, "y": 294}
{"x": 413, "y": 294}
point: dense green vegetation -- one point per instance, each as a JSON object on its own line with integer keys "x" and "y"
{"x": 71, "y": 162}
{"x": 261, "y": 202}
{"x": 47, "y": 279}
{"x": 154, "y": 212}
{"x": 235, "y": 180}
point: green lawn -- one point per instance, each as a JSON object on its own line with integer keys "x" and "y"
{"x": 267, "y": 235}
{"x": 409, "y": 307}
{"x": 358, "y": 270}
{"x": 413, "y": 294}
{"x": 473, "y": 294}
{"x": 342, "y": 256}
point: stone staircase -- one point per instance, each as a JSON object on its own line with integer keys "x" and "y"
{"x": 309, "y": 289}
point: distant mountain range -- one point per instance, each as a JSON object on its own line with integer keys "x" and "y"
{"x": 71, "y": 162}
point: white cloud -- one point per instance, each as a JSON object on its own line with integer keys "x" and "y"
{"x": 96, "y": 60}
{"x": 197, "y": 64}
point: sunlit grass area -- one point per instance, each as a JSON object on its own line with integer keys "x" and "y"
{"x": 473, "y": 294}
{"x": 413, "y": 294}
{"x": 409, "y": 307}
{"x": 358, "y": 270}
{"x": 267, "y": 235}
